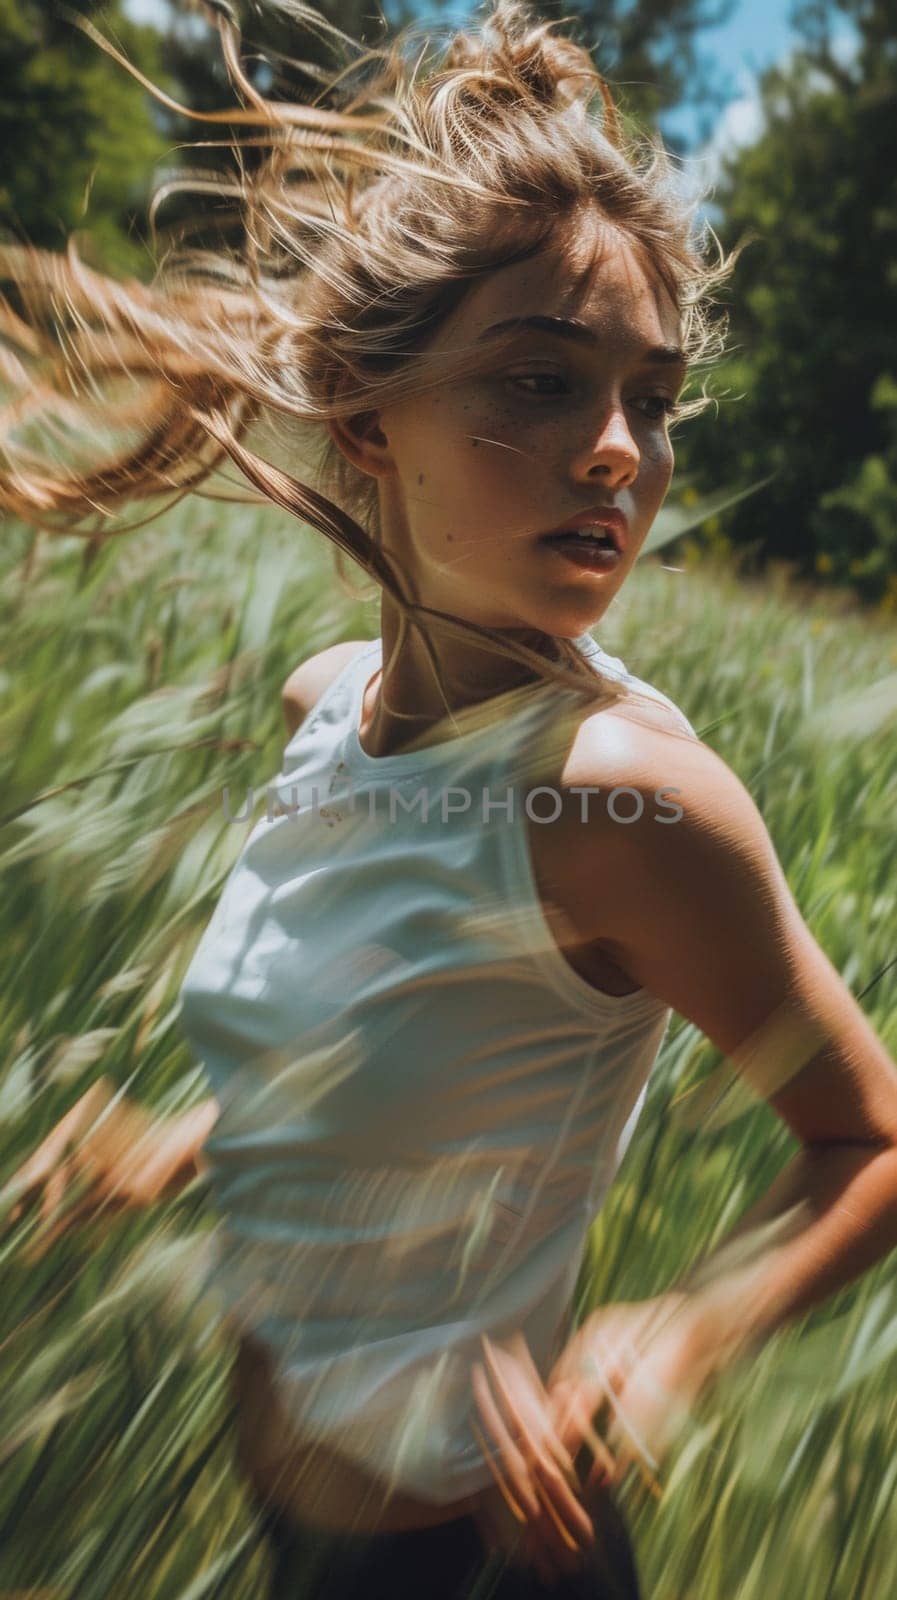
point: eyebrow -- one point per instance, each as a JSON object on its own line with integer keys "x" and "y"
{"x": 580, "y": 333}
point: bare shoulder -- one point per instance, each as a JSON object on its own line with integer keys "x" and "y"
{"x": 695, "y": 905}
{"x": 307, "y": 682}
{"x": 686, "y": 883}
{"x": 668, "y": 807}
{"x": 644, "y": 744}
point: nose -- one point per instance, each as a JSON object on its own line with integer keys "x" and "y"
{"x": 612, "y": 455}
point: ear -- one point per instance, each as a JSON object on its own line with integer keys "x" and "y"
{"x": 362, "y": 441}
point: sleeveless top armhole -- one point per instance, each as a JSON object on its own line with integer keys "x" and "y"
{"x": 343, "y": 690}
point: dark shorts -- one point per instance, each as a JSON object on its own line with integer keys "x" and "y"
{"x": 444, "y": 1562}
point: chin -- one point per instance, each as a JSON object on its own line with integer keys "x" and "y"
{"x": 571, "y": 627}
{"x": 555, "y": 622}
{"x": 535, "y": 633}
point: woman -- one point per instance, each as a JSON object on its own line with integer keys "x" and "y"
{"x": 429, "y": 1002}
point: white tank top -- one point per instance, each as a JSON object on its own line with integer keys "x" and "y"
{"x": 422, "y": 1104}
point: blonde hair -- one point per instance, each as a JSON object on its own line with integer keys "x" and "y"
{"x": 363, "y": 224}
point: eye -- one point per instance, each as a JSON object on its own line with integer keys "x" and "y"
{"x": 667, "y": 406}
{"x": 537, "y": 377}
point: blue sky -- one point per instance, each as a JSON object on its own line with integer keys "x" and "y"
{"x": 756, "y": 35}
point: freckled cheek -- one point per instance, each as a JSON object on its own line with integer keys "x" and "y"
{"x": 485, "y": 444}
{"x": 471, "y": 420}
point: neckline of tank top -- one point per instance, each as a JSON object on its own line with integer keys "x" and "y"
{"x": 406, "y": 763}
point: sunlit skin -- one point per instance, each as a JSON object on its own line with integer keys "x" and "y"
{"x": 472, "y": 472}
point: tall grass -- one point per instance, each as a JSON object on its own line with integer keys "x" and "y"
{"x": 137, "y": 686}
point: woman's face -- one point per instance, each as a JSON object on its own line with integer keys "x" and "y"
{"x": 471, "y": 474}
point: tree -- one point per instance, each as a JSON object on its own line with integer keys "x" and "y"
{"x": 78, "y": 134}
{"x": 809, "y": 393}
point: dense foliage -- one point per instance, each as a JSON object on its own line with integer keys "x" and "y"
{"x": 79, "y": 138}
{"x": 810, "y": 394}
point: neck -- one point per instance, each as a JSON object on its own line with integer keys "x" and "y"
{"x": 403, "y": 702}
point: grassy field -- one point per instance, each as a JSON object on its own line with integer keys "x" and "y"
{"x": 136, "y": 689}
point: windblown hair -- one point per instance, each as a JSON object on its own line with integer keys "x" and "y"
{"x": 362, "y": 226}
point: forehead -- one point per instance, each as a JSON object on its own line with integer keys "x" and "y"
{"x": 592, "y": 272}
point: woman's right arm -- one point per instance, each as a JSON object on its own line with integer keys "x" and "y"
{"x": 128, "y": 1157}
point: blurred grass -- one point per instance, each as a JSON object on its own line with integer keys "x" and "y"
{"x": 137, "y": 686}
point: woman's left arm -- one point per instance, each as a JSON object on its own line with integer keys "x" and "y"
{"x": 703, "y": 917}
{"x": 698, "y": 911}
